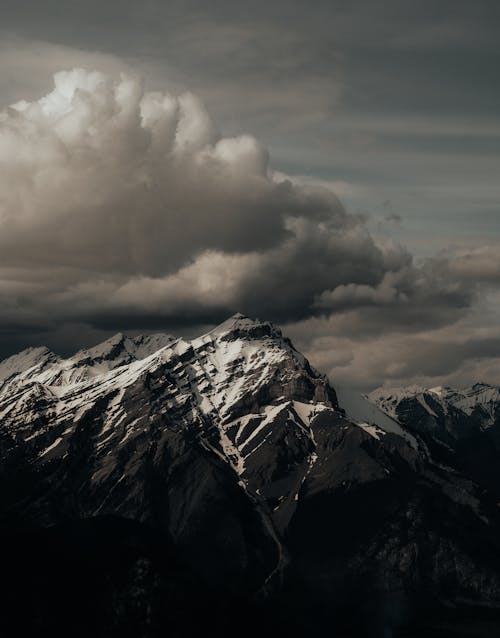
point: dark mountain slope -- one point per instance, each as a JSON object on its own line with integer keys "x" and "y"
{"x": 154, "y": 486}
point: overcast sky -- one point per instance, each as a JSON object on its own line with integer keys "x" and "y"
{"x": 331, "y": 166}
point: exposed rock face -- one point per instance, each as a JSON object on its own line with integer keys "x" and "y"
{"x": 461, "y": 428}
{"x": 226, "y": 472}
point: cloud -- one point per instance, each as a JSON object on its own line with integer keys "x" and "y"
{"x": 28, "y": 65}
{"x": 459, "y": 352}
{"x": 109, "y": 187}
{"x": 480, "y": 265}
{"x": 393, "y": 217}
{"x": 103, "y": 176}
{"x": 126, "y": 208}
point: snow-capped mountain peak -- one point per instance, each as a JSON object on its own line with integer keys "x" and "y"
{"x": 34, "y": 358}
{"x": 120, "y": 349}
{"x": 234, "y": 449}
{"x": 481, "y": 401}
{"x": 221, "y": 375}
{"x": 238, "y": 390}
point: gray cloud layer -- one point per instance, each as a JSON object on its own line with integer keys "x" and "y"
{"x": 397, "y": 100}
{"x": 110, "y": 189}
{"x": 123, "y": 207}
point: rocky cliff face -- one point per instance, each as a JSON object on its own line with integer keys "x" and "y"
{"x": 461, "y": 428}
{"x": 177, "y": 477}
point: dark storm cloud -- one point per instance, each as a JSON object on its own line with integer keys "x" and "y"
{"x": 124, "y": 207}
{"x": 356, "y": 350}
{"x": 120, "y": 204}
{"x": 441, "y": 359}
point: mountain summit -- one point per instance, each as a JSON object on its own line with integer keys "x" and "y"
{"x": 223, "y": 470}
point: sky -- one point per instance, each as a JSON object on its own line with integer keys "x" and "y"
{"x": 330, "y": 166}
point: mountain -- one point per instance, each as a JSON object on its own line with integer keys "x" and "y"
{"x": 479, "y": 403}
{"x": 460, "y": 428}
{"x": 158, "y": 486}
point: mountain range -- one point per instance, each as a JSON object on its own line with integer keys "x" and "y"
{"x": 155, "y": 486}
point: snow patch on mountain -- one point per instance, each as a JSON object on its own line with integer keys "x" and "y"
{"x": 481, "y": 399}
{"x": 209, "y": 379}
{"x": 29, "y": 360}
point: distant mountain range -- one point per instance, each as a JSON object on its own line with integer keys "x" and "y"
{"x": 155, "y": 486}
{"x": 460, "y": 428}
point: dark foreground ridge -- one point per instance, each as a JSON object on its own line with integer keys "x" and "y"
{"x": 153, "y": 486}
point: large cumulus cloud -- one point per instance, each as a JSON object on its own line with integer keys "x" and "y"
{"x": 106, "y": 185}
{"x": 125, "y": 208}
